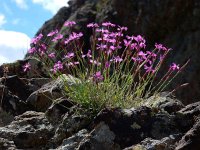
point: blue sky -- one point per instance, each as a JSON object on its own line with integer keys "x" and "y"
{"x": 19, "y": 21}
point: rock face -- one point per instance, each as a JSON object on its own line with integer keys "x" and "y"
{"x": 173, "y": 23}
{"x": 112, "y": 129}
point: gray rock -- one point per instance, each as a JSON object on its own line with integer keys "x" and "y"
{"x": 100, "y": 138}
{"x": 191, "y": 140}
{"x": 44, "y": 97}
{"x": 167, "y": 143}
{"x": 7, "y": 145}
{"x": 29, "y": 130}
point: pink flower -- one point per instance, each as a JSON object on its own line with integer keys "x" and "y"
{"x": 107, "y": 64}
{"x": 161, "y": 47}
{"x": 108, "y": 24}
{"x": 95, "y": 62}
{"x": 142, "y": 54}
{"x": 97, "y": 77}
{"x": 74, "y": 36}
{"x": 92, "y": 25}
{"x": 127, "y": 43}
{"x": 52, "y": 55}
{"x": 57, "y": 37}
{"x": 36, "y": 39}
{"x": 88, "y": 54}
{"x": 57, "y": 67}
{"x": 139, "y": 39}
{"x": 69, "y": 23}
{"x": 174, "y": 67}
{"x": 118, "y": 59}
{"x": 52, "y": 33}
{"x": 32, "y": 50}
{"x": 26, "y": 67}
{"x": 149, "y": 69}
{"x": 70, "y": 55}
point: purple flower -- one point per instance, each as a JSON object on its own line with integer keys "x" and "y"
{"x": 72, "y": 64}
{"x": 142, "y": 54}
{"x": 94, "y": 62}
{"x": 118, "y": 59}
{"x": 88, "y": 54}
{"x": 101, "y": 46}
{"x": 174, "y": 67}
{"x": 149, "y": 69}
{"x": 26, "y": 67}
{"x": 92, "y": 25}
{"x": 52, "y": 55}
{"x": 57, "y": 37}
{"x": 107, "y": 64}
{"x": 161, "y": 47}
{"x": 127, "y": 43}
{"x": 102, "y": 30}
{"x": 122, "y": 28}
{"x": 36, "y": 39}
{"x": 74, "y": 36}
{"x": 32, "y": 50}
{"x": 52, "y": 33}
{"x": 69, "y": 23}
{"x": 139, "y": 39}
{"x": 108, "y": 24}
{"x": 70, "y": 55}
{"x": 97, "y": 77}
{"x": 57, "y": 67}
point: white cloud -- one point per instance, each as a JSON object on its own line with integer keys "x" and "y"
{"x": 2, "y": 20}
{"x": 51, "y": 5}
{"x": 13, "y": 45}
{"x": 21, "y": 4}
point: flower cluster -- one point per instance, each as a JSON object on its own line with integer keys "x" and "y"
{"x": 113, "y": 57}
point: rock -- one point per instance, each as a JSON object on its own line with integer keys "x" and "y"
{"x": 5, "y": 118}
{"x": 191, "y": 110}
{"x": 12, "y": 103}
{"x": 17, "y": 87}
{"x": 164, "y": 102}
{"x": 101, "y": 138}
{"x": 167, "y": 143}
{"x": 57, "y": 109}
{"x": 191, "y": 140}
{"x": 44, "y": 97}
{"x": 134, "y": 125}
{"x": 73, "y": 142}
{"x": 29, "y": 130}
{"x": 73, "y": 121}
{"x": 7, "y": 145}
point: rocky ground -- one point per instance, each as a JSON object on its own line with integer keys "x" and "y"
{"x": 36, "y": 116}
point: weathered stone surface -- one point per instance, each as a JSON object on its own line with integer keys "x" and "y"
{"x": 57, "y": 110}
{"x": 101, "y": 138}
{"x": 73, "y": 121}
{"x": 132, "y": 126}
{"x": 191, "y": 140}
{"x": 164, "y": 102}
{"x": 29, "y": 130}
{"x": 7, "y": 145}
{"x": 167, "y": 143}
{"x": 44, "y": 97}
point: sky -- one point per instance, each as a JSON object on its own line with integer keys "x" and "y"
{"x": 19, "y": 22}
